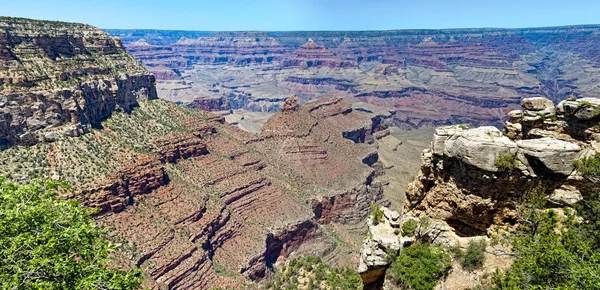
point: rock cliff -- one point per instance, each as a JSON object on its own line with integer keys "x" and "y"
{"x": 426, "y": 78}
{"x": 470, "y": 178}
{"x": 382, "y": 245}
{"x": 59, "y": 79}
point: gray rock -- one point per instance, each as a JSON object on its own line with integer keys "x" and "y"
{"x": 515, "y": 116}
{"x": 556, "y": 155}
{"x": 537, "y": 104}
{"x": 583, "y": 109}
{"x": 442, "y": 134}
{"x": 479, "y": 147}
{"x": 51, "y": 136}
{"x": 566, "y": 195}
{"x": 380, "y": 248}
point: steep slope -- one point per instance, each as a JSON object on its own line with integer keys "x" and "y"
{"x": 60, "y": 79}
{"x": 192, "y": 201}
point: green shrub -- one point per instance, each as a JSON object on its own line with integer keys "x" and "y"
{"x": 572, "y": 99}
{"x": 52, "y": 243}
{"x": 589, "y": 167}
{"x": 409, "y": 227}
{"x": 552, "y": 250}
{"x": 376, "y": 214}
{"x": 474, "y": 256}
{"x": 586, "y": 104}
{"x": 314, "y": 275}
{"x": 506, "y": 162}
{"x": 420, "y": 267}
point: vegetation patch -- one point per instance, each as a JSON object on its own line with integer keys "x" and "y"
{"x": 420, "y": 267}
{"x": 553, "y": 251}
{"x": 52, "y": 243}
{"x": 311, "y": 273}
{"x": 376, "y": 214}
{"x": 506, "y": 162}
{"x": 409, "y": 227}
{"x": 473, "y": 257}
{"x": 589, "y": 167}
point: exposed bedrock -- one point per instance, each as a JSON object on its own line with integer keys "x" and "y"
{"x": 31, "y": 117}
{"x": 119, "y": 190}
{"x": 382, "y": 245}
{"x": 470, "y": 177}
{"x": 350, "y": 207}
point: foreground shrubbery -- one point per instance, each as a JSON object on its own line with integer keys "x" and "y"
{"x": 311, "y": 273}
{"x": 506, "y": 162}
{"x": 589, "y": 167}
{"x": 473, "y": 256}
{"x": 51, "y": 243}
{"x": 553, "y": 251}
{"x": 420, "y": 267}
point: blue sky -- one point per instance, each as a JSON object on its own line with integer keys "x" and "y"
{"x": 308, "y": 14}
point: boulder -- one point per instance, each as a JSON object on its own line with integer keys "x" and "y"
{"x": 583, "y": 109}
{"x": 442, "y": 134}
{"x": 556, "y": 155}
{"x": 566, "y": 195}
{"x": 479, "y": 147}
{"x": 537, "y": 104}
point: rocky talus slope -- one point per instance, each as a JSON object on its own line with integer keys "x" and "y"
{"x": 60, "y": 79}
{"x": 470, "y": 178}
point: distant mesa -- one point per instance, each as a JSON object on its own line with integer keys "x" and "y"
{"x": 427, "y": 41}
{"x": 140, "y": 42}
{"x": 313, "y": 54}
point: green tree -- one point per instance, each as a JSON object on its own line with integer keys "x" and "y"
{"x": 474, "y": 256}
{"x": 420, "y": 267}
{"x": 553, "y": 251}
{"x": 52, "y": 243}
{"x": 376, "y": 214}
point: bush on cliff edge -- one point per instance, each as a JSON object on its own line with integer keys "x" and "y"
{"x": 553, "y": 251}
{"x": 52, "y": 243}
{"x": 420, "y": 267}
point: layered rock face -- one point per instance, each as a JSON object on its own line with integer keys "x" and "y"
{"x": 196, "y": 203}
{"x": 426, "y": 78}
{"x": 60, "y": 79}
{"x": 470, "y": 178}
{"x": 312, "y": 54}
{"x": 192, "y": 201}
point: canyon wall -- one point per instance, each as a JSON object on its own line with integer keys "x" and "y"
{"x": 424, "y": 77}
{"x": 471, "y": 178}
{"x": 60, "y": 79}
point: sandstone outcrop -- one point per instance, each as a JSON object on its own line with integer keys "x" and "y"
{"x": 470, "y": 178}
{"x": 379, "y": 249}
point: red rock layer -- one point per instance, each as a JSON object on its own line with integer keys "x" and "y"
{"x": 312, "y": 54}
{"x": 178, "y": 146}
{"x": 118, "y": 191}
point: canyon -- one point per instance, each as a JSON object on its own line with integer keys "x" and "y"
{"x": 199, "y": 199}
{"x": 191, "y": 200}
{"x": 423, "y": 77}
